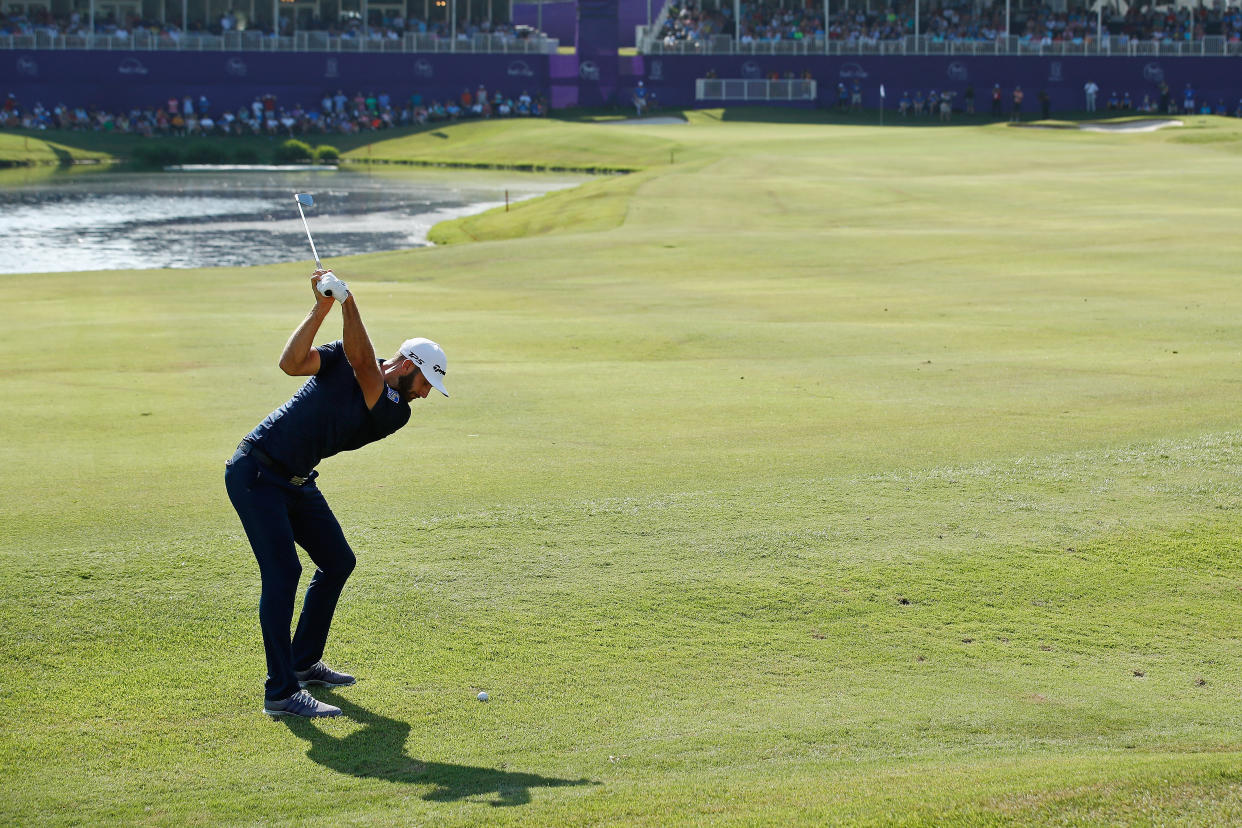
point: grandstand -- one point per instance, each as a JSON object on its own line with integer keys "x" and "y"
{"x": 136, "y": 53}
{"x": 952, "y": 28}
{"x": 302, "y": 25}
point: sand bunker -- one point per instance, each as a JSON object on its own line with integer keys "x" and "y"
{"x": 1145, "y": 125}
{"x": 654, "y": 120}
{"x": 1142, "y": 125}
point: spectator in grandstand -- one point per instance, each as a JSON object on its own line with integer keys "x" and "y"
{"x": 263, "y": 116}
{"x": 765, "y": 21}
{"x": 689, "y": 23}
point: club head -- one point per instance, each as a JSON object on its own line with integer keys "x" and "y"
{"x": 305, "y": 198}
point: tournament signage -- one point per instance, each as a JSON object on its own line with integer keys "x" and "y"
{"x": 599, "y": 35}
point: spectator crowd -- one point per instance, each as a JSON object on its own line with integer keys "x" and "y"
{"x": 336, "y": 113}
{"x": 1009, "y": 102}
{"x": 383, "y": 25}
{"x": 771, "y": 22}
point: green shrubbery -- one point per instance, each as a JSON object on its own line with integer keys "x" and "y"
{"x": 158, "y": 154}
{"x": 294, "y": 151}
{"x": 205, "y": 153}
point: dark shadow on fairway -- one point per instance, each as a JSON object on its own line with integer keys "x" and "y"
{"x": 378, "y": 751}
{"x": 123, "y": 145}
{"x": 868, "y": 117}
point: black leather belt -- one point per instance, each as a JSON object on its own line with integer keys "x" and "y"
{"x": 267, "y": 460}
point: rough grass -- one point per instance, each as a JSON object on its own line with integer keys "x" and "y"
{"x": 536, "y": 143}
{"x": 846, "y": 475}
{"x": 32, "y": 149}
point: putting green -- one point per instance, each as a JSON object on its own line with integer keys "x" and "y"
{"x": 810, "y": 474}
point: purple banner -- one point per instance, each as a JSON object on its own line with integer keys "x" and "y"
{"x": 124, "y": 80}
{"x": 634, "y": 14}
{"x": 560, "y": 20}
{"x": 597, "y": 51}
{"x": 1212, "y": 79}
{"x": 563, "y": 70}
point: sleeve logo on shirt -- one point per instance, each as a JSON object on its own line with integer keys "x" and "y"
{"x": 393, "y": 395}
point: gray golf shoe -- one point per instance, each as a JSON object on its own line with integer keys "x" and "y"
{"x": 301, "y": 704}
{"x": 323, "y": 675}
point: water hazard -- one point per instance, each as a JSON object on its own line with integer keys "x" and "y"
{"x": 117, "y": 221}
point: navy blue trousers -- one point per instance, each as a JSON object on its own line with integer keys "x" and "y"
{"x": 276, "y": 515}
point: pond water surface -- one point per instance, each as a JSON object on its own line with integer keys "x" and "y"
{"x": 116, "y": 221}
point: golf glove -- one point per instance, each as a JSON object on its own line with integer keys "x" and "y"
{"x": 333, "y": 287}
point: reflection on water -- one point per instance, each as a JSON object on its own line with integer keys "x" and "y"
{"x": 116, "y": 221}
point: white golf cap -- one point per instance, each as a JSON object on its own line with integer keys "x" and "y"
{"x": 430, "y": 359}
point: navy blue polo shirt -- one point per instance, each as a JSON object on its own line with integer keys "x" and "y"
{"x": 327, "y": 415}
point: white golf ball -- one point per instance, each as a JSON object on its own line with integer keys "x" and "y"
{"x": 483, "y": 695}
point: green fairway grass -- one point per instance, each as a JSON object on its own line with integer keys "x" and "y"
{"x": 808, "y": 474}
{"x": 30, "y": 148}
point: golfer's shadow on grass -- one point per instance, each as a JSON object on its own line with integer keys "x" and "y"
{"x": 377, "y": 750}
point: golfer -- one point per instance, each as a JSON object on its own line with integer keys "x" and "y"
{"x": 351, "y": 399}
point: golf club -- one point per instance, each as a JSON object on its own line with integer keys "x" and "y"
{"x": 309, "y": 201}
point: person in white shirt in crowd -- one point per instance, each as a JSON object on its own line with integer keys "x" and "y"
{"x": 1091, "y": 89}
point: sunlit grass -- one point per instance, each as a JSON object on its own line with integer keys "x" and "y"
{"x": 815, "y": 474}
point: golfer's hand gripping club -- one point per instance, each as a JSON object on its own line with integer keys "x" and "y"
{"x": 332, "y": 287}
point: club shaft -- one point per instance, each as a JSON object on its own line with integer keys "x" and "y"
{"x": 308, "y": 236}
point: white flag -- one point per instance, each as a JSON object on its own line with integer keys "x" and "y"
{"x": 881, "y": 90}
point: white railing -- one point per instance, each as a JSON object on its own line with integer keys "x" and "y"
{"x": 1110, "y": 46}
{"x": 729, "y": 89}
{"x": 309, "y": 41}
{"x": 649, "y": 35}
